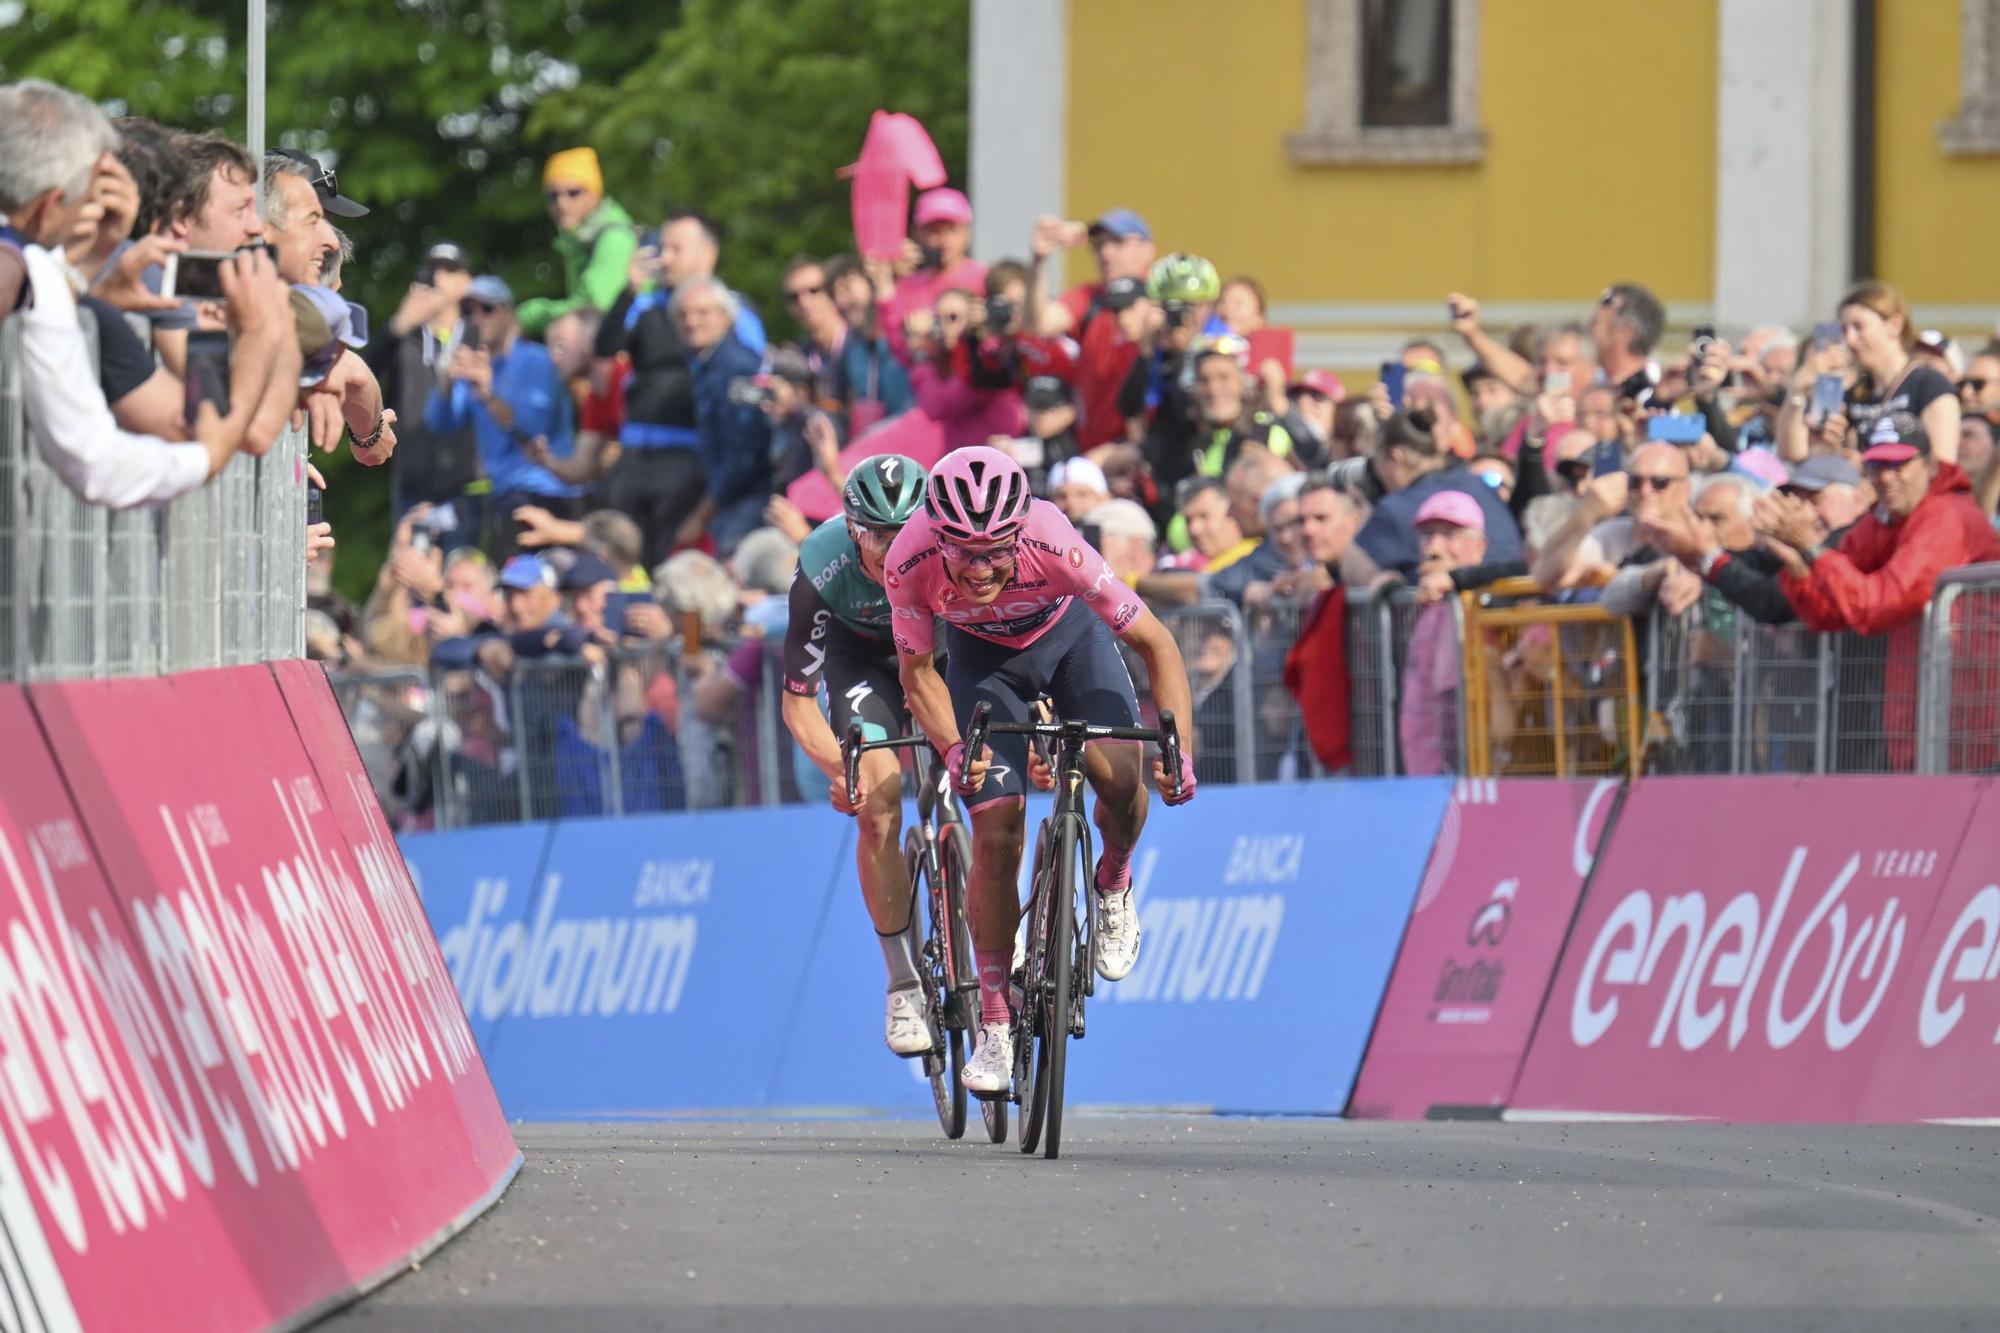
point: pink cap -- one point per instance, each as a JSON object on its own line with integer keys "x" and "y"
{"x": 1763, "y": 465}
{"x": 1325, "y": 385}
{"x": 1453, "y": 507}
{"x": 943, "y": 205}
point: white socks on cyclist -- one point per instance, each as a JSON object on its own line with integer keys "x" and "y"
{"x": 896, "y": 957}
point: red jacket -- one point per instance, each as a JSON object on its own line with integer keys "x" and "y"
{"x": 1316, "y": 675}
{"x": 1879, "y": 582}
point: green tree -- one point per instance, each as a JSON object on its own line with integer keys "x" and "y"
{"x": 438, "y": 114}
{"x": 746, "y": 109}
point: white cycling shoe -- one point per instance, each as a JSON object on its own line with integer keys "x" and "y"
{"x": 990, "y": 1071}
{"x": 905, "y": 1029}
{"x": 1117, "y": 935}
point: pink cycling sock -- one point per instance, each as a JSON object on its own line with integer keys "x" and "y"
{"x": 1114, "y": 868}
{"x": 993, "y": 970}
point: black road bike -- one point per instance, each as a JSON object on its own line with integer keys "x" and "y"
{"x": 1058, "y": 974}
{"x": 938, "y": 854}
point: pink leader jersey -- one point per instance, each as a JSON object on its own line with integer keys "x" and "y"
{"x": 1053, "y": 565}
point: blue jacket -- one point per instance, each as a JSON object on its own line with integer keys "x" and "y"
{"x": 735, "y": 439}
{"x": 870, "y": 370}
{"x": 526, "y": 380}
{"x": 1390, "y": 534}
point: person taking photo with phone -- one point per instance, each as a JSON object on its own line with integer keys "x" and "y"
{"x": 507, "y": 390}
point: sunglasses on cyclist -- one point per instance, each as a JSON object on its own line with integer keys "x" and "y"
{"x": 878, "y": 538}
{"x": 977, "y": 557}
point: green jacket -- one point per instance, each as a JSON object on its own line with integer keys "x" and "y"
{"x": 596, "y": 257}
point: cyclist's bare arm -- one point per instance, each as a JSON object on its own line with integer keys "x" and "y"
{"x": 809, "y": 728}
{"x": 1162, "y": 656}
{"x": 929, "y": 700}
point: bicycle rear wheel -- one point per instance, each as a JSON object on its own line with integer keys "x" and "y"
{"x": 946, "y": 1062}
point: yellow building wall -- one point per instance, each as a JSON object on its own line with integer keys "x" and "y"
{"x": 1934, "y": 215}
{"x": 1600, "y": 163}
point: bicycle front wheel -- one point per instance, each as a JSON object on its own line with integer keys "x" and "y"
{"x": 1061, "y": 989}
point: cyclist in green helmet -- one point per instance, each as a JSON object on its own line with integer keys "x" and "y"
{"x": 839, "y": 633}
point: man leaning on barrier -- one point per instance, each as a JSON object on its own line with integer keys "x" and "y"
{"x": 56, "y": 165}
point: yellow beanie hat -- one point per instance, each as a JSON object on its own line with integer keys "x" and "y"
{"x": 575, "y": 166}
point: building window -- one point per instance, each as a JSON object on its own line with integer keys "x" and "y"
{"x": 1405, "y": 63}
{"x": 1393, "y": 81}
{"x": 1976, "y": 128}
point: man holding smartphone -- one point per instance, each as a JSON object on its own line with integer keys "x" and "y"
{"x": 507, "y": 391}
{"x": 409, "y": 356}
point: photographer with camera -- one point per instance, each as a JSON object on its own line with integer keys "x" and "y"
{"x": 803, "y": 438}
{"x": 508, "y": 391}
{"x": 1088, "y": 314}
{"x": 971, "y": 405}
{"x": 934, "y": 261}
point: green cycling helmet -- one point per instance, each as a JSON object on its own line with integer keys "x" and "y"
{"x": 1182, "y": 277}
{"x": 883, "y": 491}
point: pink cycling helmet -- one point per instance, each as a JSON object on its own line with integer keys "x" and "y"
{"x": 977, "y": 495}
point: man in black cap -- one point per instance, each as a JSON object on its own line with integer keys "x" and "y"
{"x": 408, "y": 357}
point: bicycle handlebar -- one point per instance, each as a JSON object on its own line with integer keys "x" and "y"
{"x": 852, "y": 747}
{"x": 1166, "y": 735}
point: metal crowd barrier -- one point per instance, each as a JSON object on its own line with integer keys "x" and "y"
{"x": 216, "y": 578}
{"x": 566, "y": 738}
{"x": 1490, "y": 684}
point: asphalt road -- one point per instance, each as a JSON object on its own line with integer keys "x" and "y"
{"x": 1190, "y": 1223}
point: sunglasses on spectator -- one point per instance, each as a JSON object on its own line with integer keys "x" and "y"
{"x": 1654, "y": 481}
{"x": 564, "y": 192}
{"x": 474, "y": 308}
{"x": 1977, "y": 386}
{"x": 977, "y": 557}
{"x": 1573, "y": 470}
{"x": 794, "y": 295}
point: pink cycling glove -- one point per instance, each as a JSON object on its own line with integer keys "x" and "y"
{"x": 1187, "y": 782}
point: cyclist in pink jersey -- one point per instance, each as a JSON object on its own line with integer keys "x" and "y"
{"x": 1030, "y": 609}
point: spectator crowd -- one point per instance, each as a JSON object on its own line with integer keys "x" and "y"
{"x": 609, "y": 481}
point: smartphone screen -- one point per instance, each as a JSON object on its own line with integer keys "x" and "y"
{"x": 1677, "y": 428}
{"x": 196, "y": 275}
{"x": 1826, "y": 334}
{"x": 1827, "y": 393}
{"x": 1392, "y": 380}
{"x": 1606, "y": 459}
{"x": 207, "y": 372}
{"x": 315, "y": 505}
{"x": 1557, "y": 382}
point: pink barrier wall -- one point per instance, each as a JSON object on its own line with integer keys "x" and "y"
{"x": 1759, "y": 949}
{"x": 1489, "y": 923}
{"x": 239, "y": 1083}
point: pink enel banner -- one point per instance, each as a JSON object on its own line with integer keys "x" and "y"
{"x": 1742, "y": 947}
{"x": 1482, "y": 943}
{"x": 293, "y": 1105}
{"x": 1940, "y": 1058}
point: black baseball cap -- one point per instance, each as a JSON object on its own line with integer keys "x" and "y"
{"x": 447, "y": 254}
{"x": 324, "y": 184}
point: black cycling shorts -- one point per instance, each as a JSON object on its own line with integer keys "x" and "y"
{"x": 1077, "y": 664}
